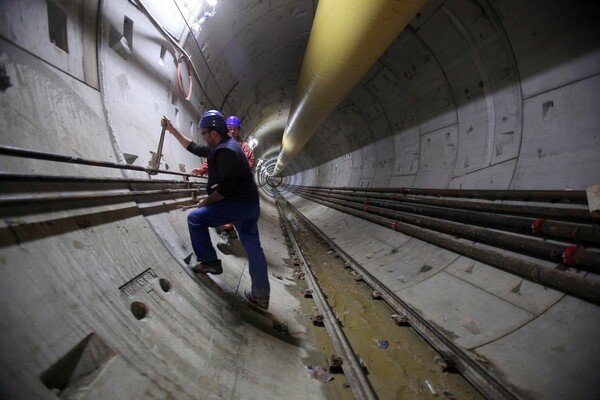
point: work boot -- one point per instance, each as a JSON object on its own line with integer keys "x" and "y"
{"x": 260, "y": 302}
{"x": 208, "y": 267}
{"x": 231, "y": 233}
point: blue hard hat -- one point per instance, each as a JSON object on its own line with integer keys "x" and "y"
{"x": 233, "y": 120}
{"x": 213, "y": 119}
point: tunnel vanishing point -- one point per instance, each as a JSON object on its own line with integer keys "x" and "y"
{"x": 451, "y": 148}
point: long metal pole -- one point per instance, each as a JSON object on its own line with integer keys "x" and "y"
{"x": 35, "y": 178}
{"x": 584, "y": 234}
{"x": 17, "y": 152}
{"x": 578, "y": 257}
{"x": 579, "y": 214}
{"x": 12, "y": 201}
{"x": 572, "y": 196}
{"x": 563, "y": 281}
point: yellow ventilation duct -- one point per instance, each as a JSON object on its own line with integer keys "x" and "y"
{"x": 347, "y": 38}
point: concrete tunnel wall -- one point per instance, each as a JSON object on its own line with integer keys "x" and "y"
{"x": 474, "y": 99}
{"x": 411, "y": 122}
{"x": 62, "y": 271}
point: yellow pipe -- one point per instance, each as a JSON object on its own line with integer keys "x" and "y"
{"x": 347, "y": 38}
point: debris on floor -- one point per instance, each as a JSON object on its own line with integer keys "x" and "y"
{"x": 320, "y": 373}
{"x": 400, "y": 319}
{"x": 335, "y": 364}
{"x": 317, "y": 319}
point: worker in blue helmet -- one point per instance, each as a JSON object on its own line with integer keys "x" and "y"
{"x": 233, "y": 125}
{"x": 232, "y": 198}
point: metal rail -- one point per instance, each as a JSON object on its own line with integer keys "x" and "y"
{"x": 359, "y": 383}
{"x": 478, "y": 376}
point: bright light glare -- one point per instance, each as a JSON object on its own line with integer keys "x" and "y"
{"x": 211, "y": 3}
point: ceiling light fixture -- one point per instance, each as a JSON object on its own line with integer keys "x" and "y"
{"x": 197, "y": 25}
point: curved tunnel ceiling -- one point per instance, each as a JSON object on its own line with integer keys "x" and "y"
{"x": 415, "y": 71}
{"x": 453, "y": 59}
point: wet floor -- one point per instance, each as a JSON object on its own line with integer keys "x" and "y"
{"x": 399, "y": 362}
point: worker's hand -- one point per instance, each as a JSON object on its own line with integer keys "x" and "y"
{"x": 202, "y": 202}
{"x": 166, "y": 123}
{"x": 198, "y": 171}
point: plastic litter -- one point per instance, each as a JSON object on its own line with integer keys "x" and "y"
{"x": 431, "y": 388}
{"x": 382, "y": 343}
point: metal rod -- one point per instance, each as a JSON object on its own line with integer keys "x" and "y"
{"x": 572, "y": 196}
{"x": 59, "y": 198}
{"x": 17, "y": 152}
{"x": 565, "y": 231}
{"x": 568, "y": 214}
{"x": 550, "y": 251}
{"x": 12, "y": 177}
{"x": 554, "y": 278}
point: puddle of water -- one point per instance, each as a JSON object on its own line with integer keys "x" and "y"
{"x": 400, "y": 363}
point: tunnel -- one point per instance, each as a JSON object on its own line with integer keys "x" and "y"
{"x": 449, "y": 150}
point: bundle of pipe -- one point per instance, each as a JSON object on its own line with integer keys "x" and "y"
{"x": 517, "y": 227}
{"x": 25, "y": 194}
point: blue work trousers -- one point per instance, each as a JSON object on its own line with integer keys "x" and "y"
{"x": 244, "y": 217}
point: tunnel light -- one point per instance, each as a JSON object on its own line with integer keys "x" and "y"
{"x": 252, "y": 143}
{"x": 197, "y": 25}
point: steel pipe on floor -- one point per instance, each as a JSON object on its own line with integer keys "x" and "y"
{"x": 563, "y": 281}
{"x": 566, "y": 214}
{"x": 553, "y": 196}
{"x": 570, "y": 255}
{"x": 581, "y": 234}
